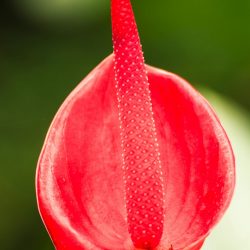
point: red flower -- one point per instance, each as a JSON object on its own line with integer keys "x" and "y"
{"x": 135, "y": 157}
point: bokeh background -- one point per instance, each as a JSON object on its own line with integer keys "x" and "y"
{"x": 48, "y": 46}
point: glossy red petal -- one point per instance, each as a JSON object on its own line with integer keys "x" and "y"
{"x": 197, "y": 160}
{"x": 80, "y": 186}
{"x": 79, "y": 177}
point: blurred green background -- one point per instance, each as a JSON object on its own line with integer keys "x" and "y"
{"x": 48, "y": 46}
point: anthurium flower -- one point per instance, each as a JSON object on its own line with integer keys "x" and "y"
{"x": 135, "y": 157}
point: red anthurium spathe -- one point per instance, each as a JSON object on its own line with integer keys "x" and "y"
{"x": 135, "y": 157}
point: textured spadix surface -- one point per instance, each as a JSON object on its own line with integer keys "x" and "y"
{"x": 80, "y": 185}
